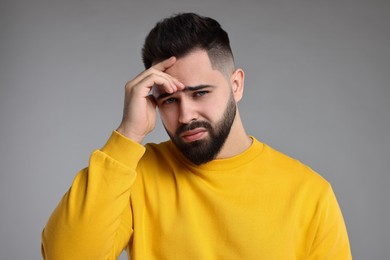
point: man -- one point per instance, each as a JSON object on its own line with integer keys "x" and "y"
{"x": 212, "y": 191}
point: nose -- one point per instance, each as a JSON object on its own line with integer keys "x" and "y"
{"x": 187, "y": 112}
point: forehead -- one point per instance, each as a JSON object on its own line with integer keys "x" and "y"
{"x": 194, "y": 68}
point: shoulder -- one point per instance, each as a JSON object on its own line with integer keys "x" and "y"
{"x": 158, "y": 158}
{"x": 292, "y": 170}
{"x": 158, "y": 151}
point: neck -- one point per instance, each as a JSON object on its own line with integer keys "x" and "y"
{"x": 237, "y": 142}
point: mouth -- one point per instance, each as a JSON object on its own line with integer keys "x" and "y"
{"x": 193, "y": 135}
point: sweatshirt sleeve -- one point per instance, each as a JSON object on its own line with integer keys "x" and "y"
{"x": 93, "y": 219}
{"x": 331, "y": 238}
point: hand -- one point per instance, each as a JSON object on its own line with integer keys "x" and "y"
{"x": 139, "y": 113}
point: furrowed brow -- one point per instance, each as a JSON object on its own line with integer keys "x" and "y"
{"x": 195, "y": 88}
{"x": 186, "y": 89}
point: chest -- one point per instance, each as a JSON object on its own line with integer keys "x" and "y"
{"x": 232, "y": 218}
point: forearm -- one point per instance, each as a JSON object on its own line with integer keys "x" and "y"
{"x": 93, "y": 219}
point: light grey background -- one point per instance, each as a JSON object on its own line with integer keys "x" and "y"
{"x": 317, "y": 88}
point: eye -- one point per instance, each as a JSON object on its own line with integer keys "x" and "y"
{"x": 169, "y": 101}
{"x": 200, "y": 93}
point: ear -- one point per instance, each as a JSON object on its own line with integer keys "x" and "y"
{"x": 237, "y": 82}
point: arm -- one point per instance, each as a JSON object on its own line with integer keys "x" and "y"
{"x": 94, "y": 219}
{"x": 331, "y": 238}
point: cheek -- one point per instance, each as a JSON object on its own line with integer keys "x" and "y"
{"x": 169, "y": 119}
{"x": 210, "y": 111}
{"x": 215, "y": 107}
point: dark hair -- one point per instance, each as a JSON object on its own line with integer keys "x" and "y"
{"x": 182, "y": 33}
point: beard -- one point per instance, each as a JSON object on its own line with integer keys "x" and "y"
{"x": 205, "y": 150}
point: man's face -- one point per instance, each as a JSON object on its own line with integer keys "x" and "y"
{"x": 199, "y": 118}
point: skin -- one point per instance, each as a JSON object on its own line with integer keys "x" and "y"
{"x": 185, "y": 90}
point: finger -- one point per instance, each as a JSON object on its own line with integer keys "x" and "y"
{"x": 156, "y": 68}
{"x": 164, "y": 84}
{"x": 165, "y": 64}
{"x": 152, "y": 72}
{"x": 173, "y": 86}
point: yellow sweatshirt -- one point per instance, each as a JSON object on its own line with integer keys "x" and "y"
{"x": 155, "y": 204}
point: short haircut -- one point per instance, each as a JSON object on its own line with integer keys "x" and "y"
{"x": 183, "y": 33}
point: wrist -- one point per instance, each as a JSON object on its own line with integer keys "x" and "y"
{"x": 123, "y": 150}
{"x": 130, "y": 135}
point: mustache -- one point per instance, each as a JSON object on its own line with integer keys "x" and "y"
{"x": 192, "y": 126}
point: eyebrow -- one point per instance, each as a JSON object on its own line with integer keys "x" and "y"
{"x": 186, "y": 89}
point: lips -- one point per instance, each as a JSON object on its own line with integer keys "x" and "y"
{"x": 193, "y": 135}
